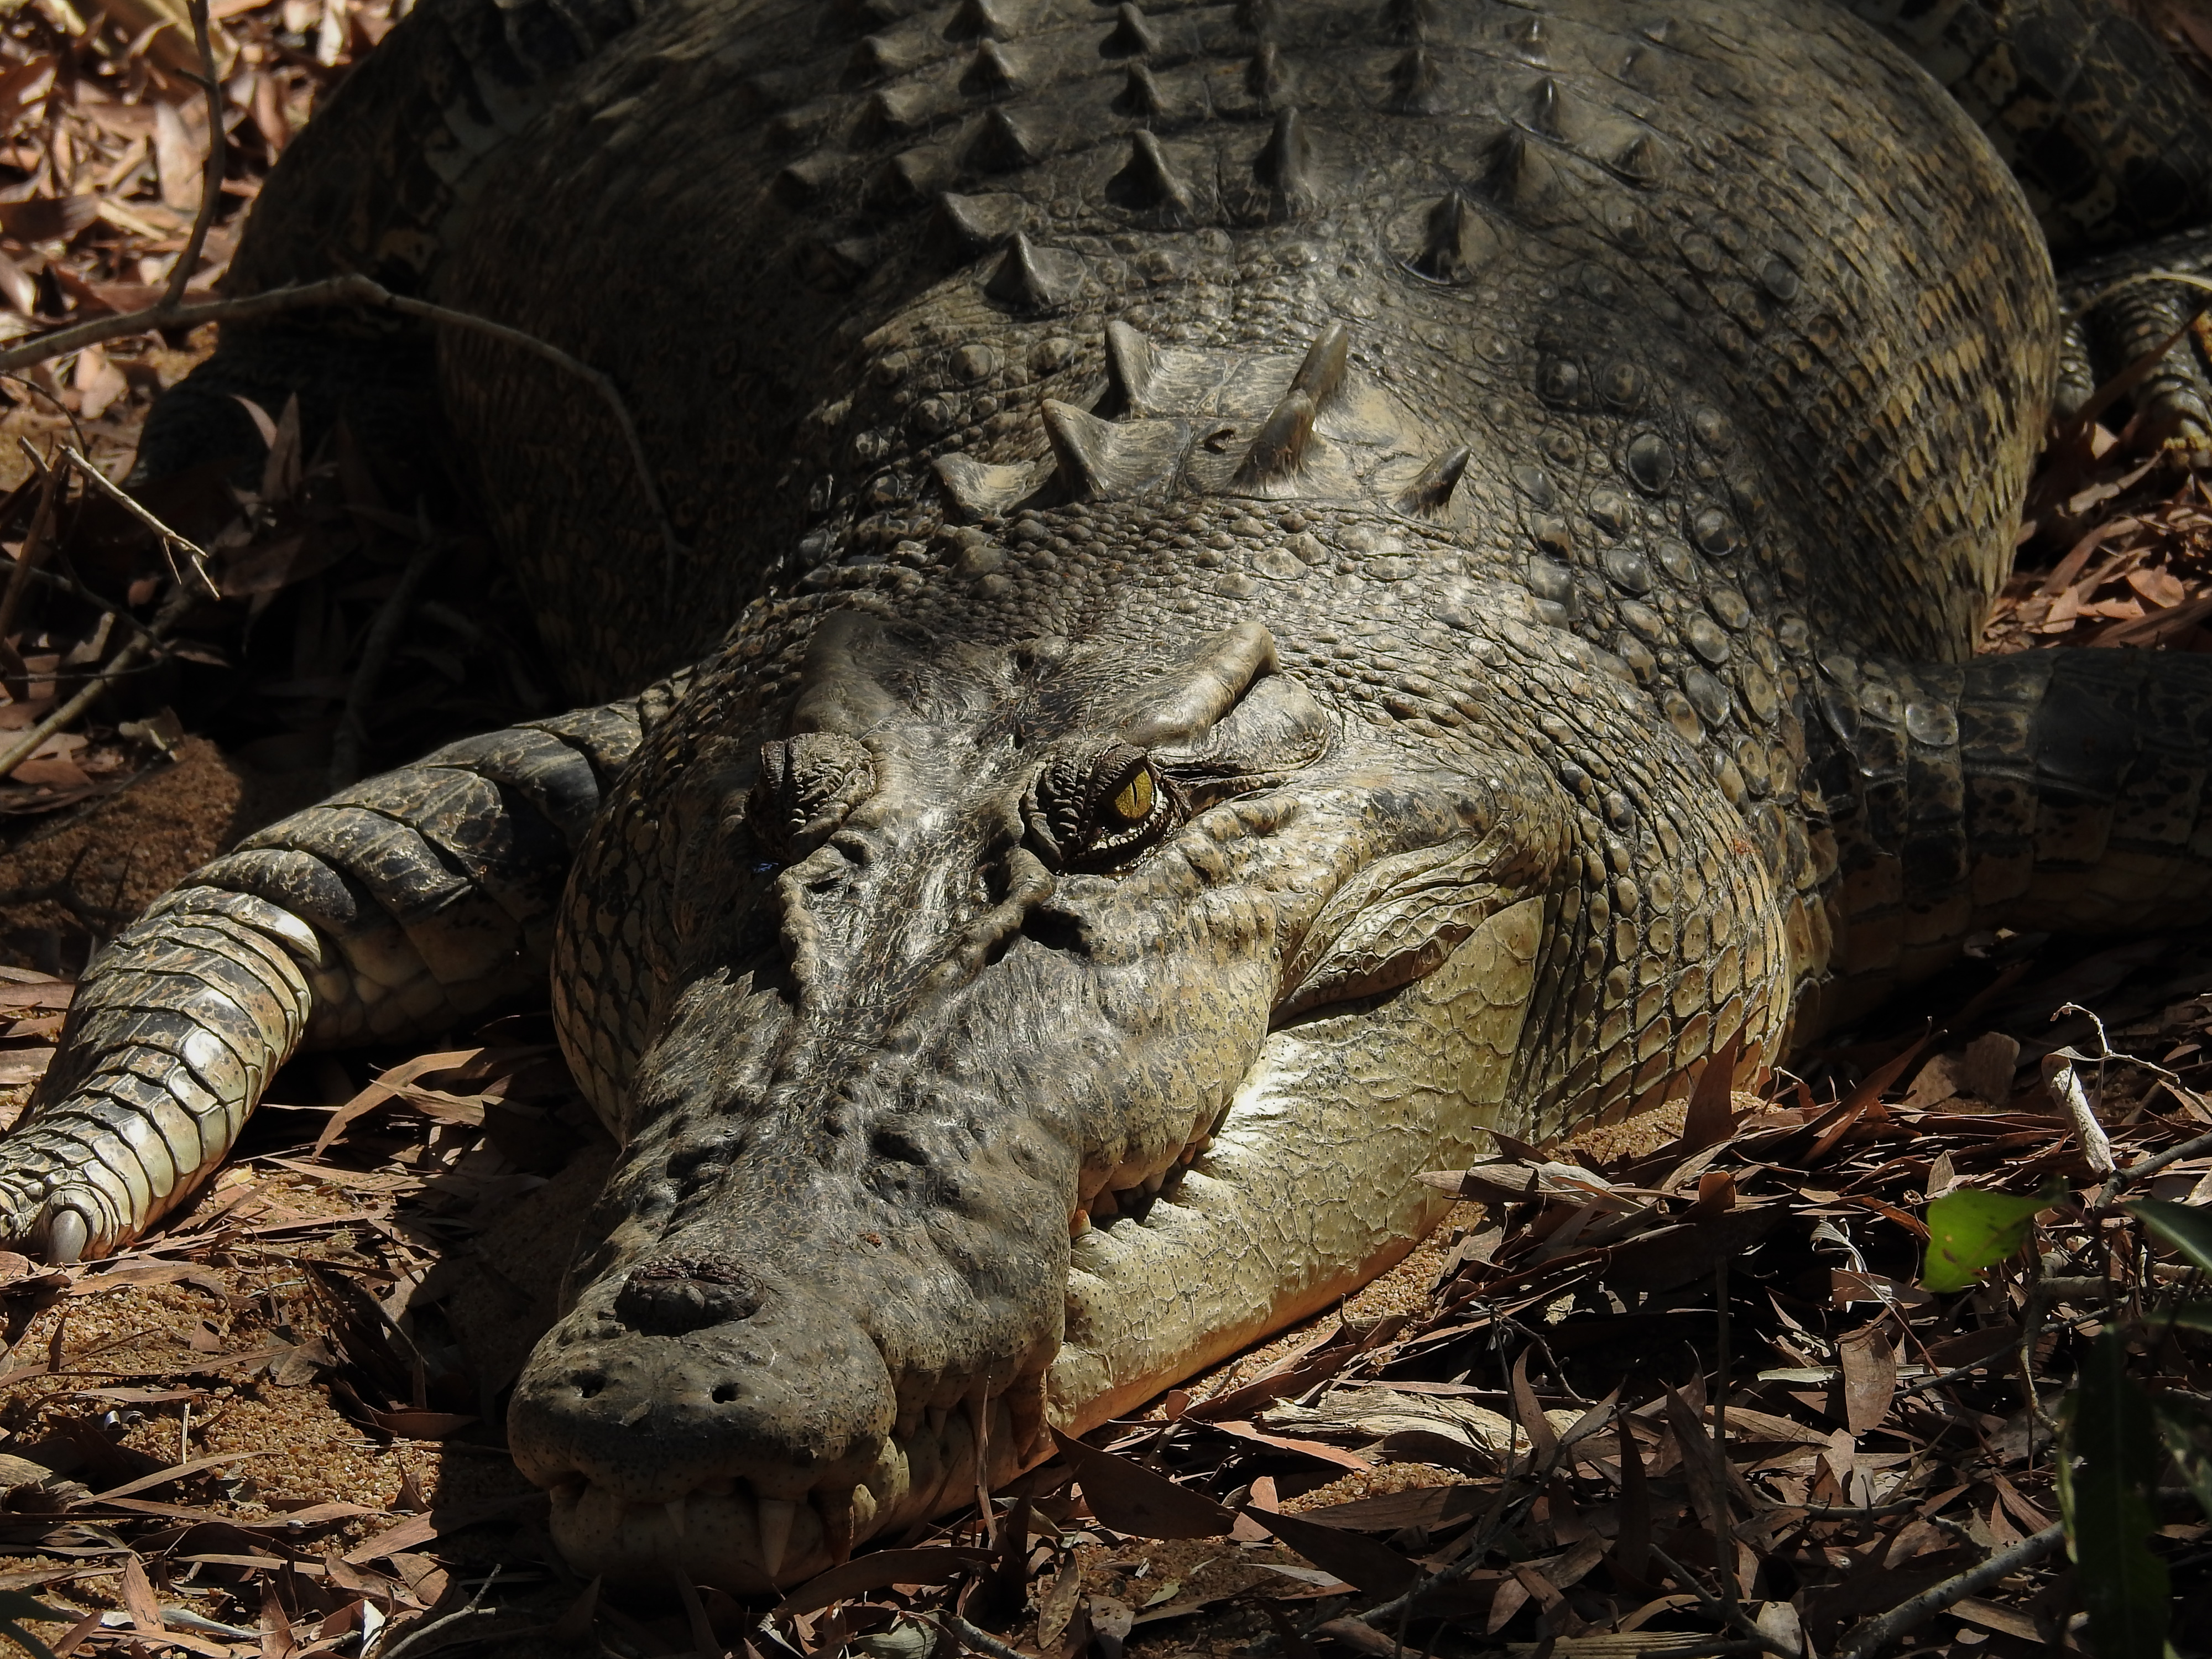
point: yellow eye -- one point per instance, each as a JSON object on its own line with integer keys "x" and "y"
{"x": 1135, "y": 804}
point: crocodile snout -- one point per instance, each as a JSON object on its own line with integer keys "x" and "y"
{"x": 687, "y": 1414}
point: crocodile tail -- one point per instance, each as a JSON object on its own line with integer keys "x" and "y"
{"x": 390, "y": 912}
{"x": 375, "y": 186}
{"x": 2101, "y": 126}
{"x": 2056, "y": 791}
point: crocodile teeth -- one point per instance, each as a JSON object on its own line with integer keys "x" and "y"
{"x": 674, "y": 1509}
{"x": 775, "y": 1518}
{"x": 977, "y": 1409}
{"x": 937, "y": 1416}
{"x": 836, "y": 1513}
{"x": 1025, "y": 1410}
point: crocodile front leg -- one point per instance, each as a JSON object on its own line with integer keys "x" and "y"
{"x": 414, "y": 900}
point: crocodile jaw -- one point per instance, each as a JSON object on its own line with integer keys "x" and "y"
{"x": 1255, "y": 1235}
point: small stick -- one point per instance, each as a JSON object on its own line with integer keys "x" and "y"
{"x": 211, "y": 175}
{"x": 77, "y": 590}
{"x": 1725, "y": 1544}
{"x": 1877, "y": 1634}
{"x": 2066, "y": 1083}
{"x": 34, "y": 546}
{"x": 195, "y": 555}
{"x": 2122, "y": 1179}
{"x": 970, "y": 1636}
{"x": 120, "y": 663}
{"x": 362, "y": 291}
{"x": 375, "y": 653}
{"x": 474, "y": 1608}
{"x": 1729, "y": 1613}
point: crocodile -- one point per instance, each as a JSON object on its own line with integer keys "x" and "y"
{"x": 1264, "y": 590}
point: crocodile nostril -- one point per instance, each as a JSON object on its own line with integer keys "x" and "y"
{"x": 588, "y": 1384}
{"x": 675, "y": 1294}
{"x": 727, "y": 1394}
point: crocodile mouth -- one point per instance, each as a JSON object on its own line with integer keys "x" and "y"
{"x": 1306, "y": 1189}
{"x": 733, "y": 1532}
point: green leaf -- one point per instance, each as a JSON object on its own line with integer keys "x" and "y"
{"x": 2109, "y": 1464}
{"x": 15, "y": 1606}
{"x": 2186, "y": 1428}
{"x": 1969, "y": 1231}
{"x": 2183, "y": 1227}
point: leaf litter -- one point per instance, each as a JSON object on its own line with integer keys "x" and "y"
{"x": 1684, "y": 1386}
{"x": 268, "y": 644}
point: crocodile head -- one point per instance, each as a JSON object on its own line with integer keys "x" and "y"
{"x": 1030, "y": 1011}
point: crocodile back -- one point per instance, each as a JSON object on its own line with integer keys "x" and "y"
{"x": 1737, "y": 276}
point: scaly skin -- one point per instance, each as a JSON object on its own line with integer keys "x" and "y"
{"x": 1308, "y": 581}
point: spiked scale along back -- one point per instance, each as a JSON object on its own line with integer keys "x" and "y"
{"x": 1174, "y": 420}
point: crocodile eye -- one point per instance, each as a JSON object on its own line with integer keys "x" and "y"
{"x": 1100, "y": 806}
{"x": 1135, "y": 804}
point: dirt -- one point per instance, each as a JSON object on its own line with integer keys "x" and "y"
{"x": 69, "y": 883}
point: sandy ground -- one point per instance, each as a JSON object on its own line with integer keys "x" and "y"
{"x": 77, "y": 877}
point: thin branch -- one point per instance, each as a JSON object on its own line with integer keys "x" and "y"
{"x": 375, "y": 653}
{"x": 1727, "y": 1610}
{"x": 475, "y": 1606}
{"x": 356, "y": 290}
{"x": 107, "y": 607}
{"x": 970, "y": 1635}
{"x": 118, "y": 665}
{"x": 2122, "y": 1179}
{"x": 2066, "y": 1083}
{"x": 1877, "y": 1634}
{"x": 36, "y": 540}
{"x": 195, "y": 555}
{"x": 211, "y": 174}
{"x": 1474, "y": 1548}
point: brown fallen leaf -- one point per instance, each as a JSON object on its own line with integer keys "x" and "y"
{"x": 1129, "y": 1497}
{"x": 879, "y": 1569}
{"x": 1869, "y": 1366}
